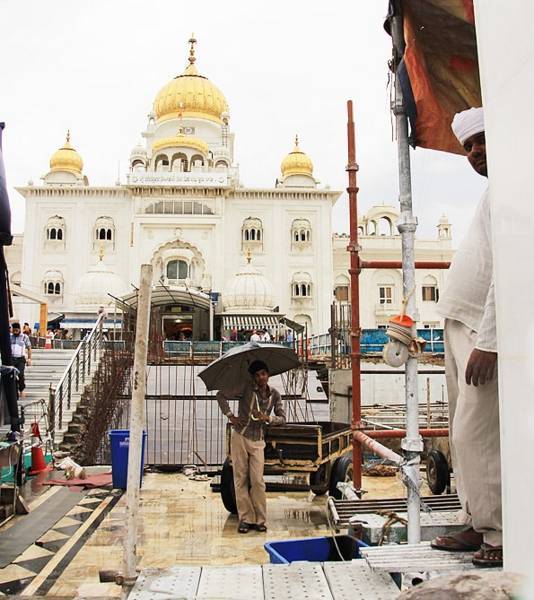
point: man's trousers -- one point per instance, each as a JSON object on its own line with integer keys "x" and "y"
{"x": 20, "y": 364}
{"x": 474, "y": 435}
{"x": 247, "y": 461}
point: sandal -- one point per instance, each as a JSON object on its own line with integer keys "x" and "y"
{"x": 467, "y": 540}
{"x": 243, "y": 527}
{"x": 488, "y": 556}
{"x": 261, "y": 527}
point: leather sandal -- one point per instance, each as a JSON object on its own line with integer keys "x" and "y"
{"x": 467, "y": 540}
{"x": 261, "y": 527}
{"x": 488, "y": 556}
{"x": 243, "y": 527}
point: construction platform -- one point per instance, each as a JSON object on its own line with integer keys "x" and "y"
{"x": 353, "y": 580}
{"x": 383, "y": 521}
{"x": 361, "y": 579}
{"x": 415, "y": 558}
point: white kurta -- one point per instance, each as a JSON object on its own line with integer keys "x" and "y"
{"x": 469, "y": 295}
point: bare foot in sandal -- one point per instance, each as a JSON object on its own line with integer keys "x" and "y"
{"x": 488, "y": 556}
{"x": 463, "y": 541}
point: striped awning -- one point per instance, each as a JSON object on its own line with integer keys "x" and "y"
{"x": 251, "y": 321}
{"x": 87, "y": 324}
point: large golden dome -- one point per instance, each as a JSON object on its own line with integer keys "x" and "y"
{"x": 190, "y": 95}
{"x": 66, "y": 159}
{"x": 297, "y": 162}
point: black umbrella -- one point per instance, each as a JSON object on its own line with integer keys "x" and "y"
{"x": 232, "y": 368}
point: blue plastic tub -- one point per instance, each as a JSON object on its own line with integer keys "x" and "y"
{"x": 319, "y": 549}
{"x": 120, "y": 444}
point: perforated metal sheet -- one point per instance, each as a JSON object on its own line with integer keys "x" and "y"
{"x": 231, "y": 583}
{"x": 357, "y": 581}
{"x": 406, "y": 558}
{"x": 297, "y": 581}
{"x": 178, "y": 583}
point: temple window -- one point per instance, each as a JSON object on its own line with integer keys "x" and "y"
{"x": 55, "y": 229}
{"x": 301, "y": 233}
{"x": 104, "y": 234}
{"x": 177, "y": 270}
{"x": 301, "y": 285}
{"x": 252, "y": 234}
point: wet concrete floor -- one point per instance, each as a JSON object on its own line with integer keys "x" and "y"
{"x": 183, "y": 522}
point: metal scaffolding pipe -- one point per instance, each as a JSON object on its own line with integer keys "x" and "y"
{"x": 355, "y": 331}
{"x": 397, "y": 264}
{"x": 407, "y": 224}
{"x": 400, "y": 433}
{"x": 377, "y": 447}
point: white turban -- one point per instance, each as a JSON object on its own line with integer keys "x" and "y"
{"x": 467, "y": 123}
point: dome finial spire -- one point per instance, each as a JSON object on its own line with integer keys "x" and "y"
{"x": 101, "y": 253}
{"x": 249, "y": 256}
{"x": 296, "y": 140}
{"x": 192, "y": 41}
{"x": 68, "y": 136}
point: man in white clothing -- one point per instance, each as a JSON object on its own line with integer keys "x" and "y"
{"x": 468, "y": 306}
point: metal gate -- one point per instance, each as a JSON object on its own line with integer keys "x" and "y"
{"x": 183, "y": 421}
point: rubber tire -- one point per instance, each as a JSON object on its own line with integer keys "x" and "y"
{"x": 342, "y": 471}
{"x": 320, "y": 480}
{"x": 227, "y": 488}
{"x": 437, "y": 472}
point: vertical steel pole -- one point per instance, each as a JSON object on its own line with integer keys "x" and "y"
{"x": 137, "y": 420}
{"x": 354, "y": 271}
{"x": 211, "y": 319}
{"x": 412, "y": 444}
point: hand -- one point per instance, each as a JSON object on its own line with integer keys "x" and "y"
{"x": 261, "y": 416}
{"x": 29, "y": 362}
{"x": 480, "y": 367}
{"x": 236, "y": 421}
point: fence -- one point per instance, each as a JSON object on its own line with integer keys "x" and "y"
{"x": 73, "y": 379}
{"x": 57, "y": 344}
{"x": 371, "y": 342}
{"x": 183, "y": 421}
{"x": 336, "y": 343}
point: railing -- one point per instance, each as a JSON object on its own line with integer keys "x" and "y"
{"x": 57, "y": 344}
{"x": 212, "y": 348}
{"x": 73, "y": 379}
{"x": 371, "y": 342}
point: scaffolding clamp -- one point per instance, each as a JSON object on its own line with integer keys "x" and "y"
{"x": 412, "y": 444}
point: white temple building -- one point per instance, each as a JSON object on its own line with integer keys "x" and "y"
{"x": 381, "y": 289}
{"x": 225, "y": 256}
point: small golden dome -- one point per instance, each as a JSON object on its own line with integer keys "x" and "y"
{"x": 297, "y": 162}
{"x": 66, "y": 159}
{"x": 181, "y": 141}
{"x": 190, "y": 95}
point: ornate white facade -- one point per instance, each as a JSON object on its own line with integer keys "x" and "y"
{"x": 381, "y": 289}
{"x": 183, "y": 209}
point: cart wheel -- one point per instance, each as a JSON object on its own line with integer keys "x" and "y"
{"x": 227, "y": 488}
{"x": 320, "y": 479}
{"x": 437, "y": 472}
{"x": 342, "y": 471}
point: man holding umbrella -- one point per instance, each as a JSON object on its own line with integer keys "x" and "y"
{"x": 259, "y": 406}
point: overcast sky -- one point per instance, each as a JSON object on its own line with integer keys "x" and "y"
{"x": 285, "y": 67}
